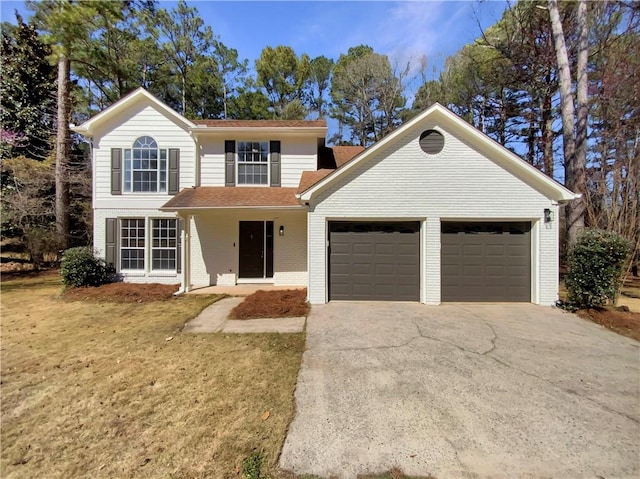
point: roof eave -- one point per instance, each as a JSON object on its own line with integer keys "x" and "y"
{"x": 203, "y": 129}
{"x": 86, "y": 128}
{"x": 236, "y": 207}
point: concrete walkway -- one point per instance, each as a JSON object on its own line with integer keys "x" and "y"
{"x": 213, "y": 319}
{"x": 469, "y": 391}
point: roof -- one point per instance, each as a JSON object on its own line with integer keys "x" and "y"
{"x": 262, "y": 123}
{"x": 294, "y": 127}
{"x": 440, "y": 115}
{"x": 232, "y": 197}
{"x": 88, "y": 127}
{"x": 342, "y": 154}
{"x": 310, "y": 178}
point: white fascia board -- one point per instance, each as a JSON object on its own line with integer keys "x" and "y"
{"x": 200, "y": 209}
{"x": 121, "y": 105}
{"x": 202, "y": 130}
{"x": 436, "y": 111}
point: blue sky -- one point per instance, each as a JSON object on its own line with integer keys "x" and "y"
{"x": 406, "y": 31}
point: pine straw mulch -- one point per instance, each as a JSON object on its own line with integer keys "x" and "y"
{"x": 123, "y": 293}
{"x": 289, "y": 303}
{"x": 626, "y": 323}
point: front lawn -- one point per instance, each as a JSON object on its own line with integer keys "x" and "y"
{"x": 106, "y": 389}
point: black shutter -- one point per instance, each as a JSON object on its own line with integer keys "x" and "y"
{"x": 116, "y": 171}
{"x": 174, "y": 171}
{"x": 274, "y": 149}
{"x": 111, "y": 243}
{"x": 229, "y": 163}
{"x": 179, "y": 247}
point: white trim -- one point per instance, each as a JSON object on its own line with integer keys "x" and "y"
{"x": 535, "y": 260}
{"x": 88, "y": 127}
{"x": 254, "y": 281}
{"x": 437, "y": 112}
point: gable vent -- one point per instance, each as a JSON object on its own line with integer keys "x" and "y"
{"x": 431, "y": 142}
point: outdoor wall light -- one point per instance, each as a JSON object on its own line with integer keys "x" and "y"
{"x": 548, "y": 215}
{"x": 281, "y": 230}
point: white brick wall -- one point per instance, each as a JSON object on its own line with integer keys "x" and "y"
{"x": 99, "y": 239}
{"x": 402, "y": 182}
{"x": 217, "y": 233}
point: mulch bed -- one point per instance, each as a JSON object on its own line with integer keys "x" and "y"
{"x": 272, "y": 304}
{"x": 123, "y": 293}
{"x": 622, "y": 322}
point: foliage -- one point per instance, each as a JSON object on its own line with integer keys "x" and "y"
{"x": 596, "y": 264}
{"x": 81, "y": 268}
{"x": 252, "y": 466}
{"x": 283, "y": 76}
{"x": 367, "y": 94}
{"x": 27, "y": 93}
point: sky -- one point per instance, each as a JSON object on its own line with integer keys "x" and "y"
{"x": 406, "y": 31}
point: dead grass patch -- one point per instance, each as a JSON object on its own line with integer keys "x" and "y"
{"x": 112, "y": 389}
{"x": 123, "y": 292}
{"x": 625, "y": 323}
{"x": 289, "y": 303}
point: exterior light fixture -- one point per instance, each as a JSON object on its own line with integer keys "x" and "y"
{"x": 281, "y": 230}
{"x": 548, "y": 215}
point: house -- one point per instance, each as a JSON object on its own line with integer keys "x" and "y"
{"x": 436, "y": 211}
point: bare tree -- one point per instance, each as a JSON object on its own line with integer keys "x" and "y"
{"x": 574, "y": 162}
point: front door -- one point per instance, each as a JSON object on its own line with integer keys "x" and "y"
{"x": 256, "y": 249}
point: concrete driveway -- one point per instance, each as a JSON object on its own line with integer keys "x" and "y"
{"x": 464, "y": 391}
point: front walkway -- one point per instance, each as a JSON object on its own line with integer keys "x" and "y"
{"x": 213, "y": 319}
{"x": 464, "y": 391}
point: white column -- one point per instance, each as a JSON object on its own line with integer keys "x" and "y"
{"x": 432, "y": 259}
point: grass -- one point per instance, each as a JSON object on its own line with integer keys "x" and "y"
{"x": 105, "y": 389}
{"x": 289, "y": 303}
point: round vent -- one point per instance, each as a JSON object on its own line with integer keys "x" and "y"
{"x": 431, "y": 142}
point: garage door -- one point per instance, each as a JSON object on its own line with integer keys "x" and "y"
{"x": 374, "y": 261}
{"x": 486, "y": 261}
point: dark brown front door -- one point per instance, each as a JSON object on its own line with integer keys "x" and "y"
{"x": 374, "y": 261}
{"x": 486, "y": 261}
{"x": 256, "y": 249}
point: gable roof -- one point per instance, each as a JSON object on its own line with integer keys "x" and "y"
{"x": 343, "y": 154}
{"x": 88, "y": 127}
{"x": 448, "y": 120}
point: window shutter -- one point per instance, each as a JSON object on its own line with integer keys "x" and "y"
{"x": 179, "y": 247}
{"x": 229, "y": 163}
{"x": 174, "y": 171}
{"x": 111, "y": 246}
{"x": 274, "y": 149}
{"x": 116, "y": 171}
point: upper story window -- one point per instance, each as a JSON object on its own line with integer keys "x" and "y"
{"x": 253, "y": 162}
{"x": 145, "y": 167}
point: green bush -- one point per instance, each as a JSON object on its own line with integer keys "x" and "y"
{"x": 595, "y": 264}
{"x": 80, "y": 267}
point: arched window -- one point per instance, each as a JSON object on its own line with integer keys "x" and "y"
{"x": 145, "y": 167}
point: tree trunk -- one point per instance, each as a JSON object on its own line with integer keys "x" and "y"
{"x": 62, "y": 154}
{"x": 575, "y": 216}
{"x": 577, "y": 207}
{"x": 547, "y": 134}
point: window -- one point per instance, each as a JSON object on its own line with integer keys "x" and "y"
{"x": 161, "y": 244}
{"x": 132, "y": 235}
{"x": 253, "y": 162}
{"x": 164, "y": 244}
{"x": 145, "y": 167}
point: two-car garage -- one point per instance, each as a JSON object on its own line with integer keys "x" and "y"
{"x": 480, "y": 261}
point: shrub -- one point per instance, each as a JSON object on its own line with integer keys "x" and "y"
{"x": 80, "y": 267}
{"x": 596, "y": 264}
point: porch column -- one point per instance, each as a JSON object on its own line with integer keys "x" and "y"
{"x": 186, "y": 254}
